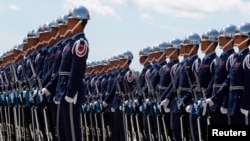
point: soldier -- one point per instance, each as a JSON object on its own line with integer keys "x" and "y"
{"x": 69, "y": 93}
{"x": 180, "y": 94}
{"x": 203, "y": 77}
{"x": 221, "y": 69}
{"x": 140, "y": 96}
{"x": 115, "y": 96}
{"x": 237, "y": 80}
{"x": 172, "y": 53}
{"x": 50, "y": 87}
{"x": 108, "y": 98}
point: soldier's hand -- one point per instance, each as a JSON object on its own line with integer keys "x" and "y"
{"x": 112, "y": 109}
{"x": 223, "y": 110}
{"x": 136, "y": 102}
{"x": 45, "y": 92}
{"x": 165, "y": 103}
{"x": 104, "y": 104}
{"x": 148, "y": 101}
{"x": 71, "y": 100}
{"x": 188, "y": 108}
{"x": 209, "y": 102}
{"x": 55, "y": 101}
{"x": 244, "y": 111}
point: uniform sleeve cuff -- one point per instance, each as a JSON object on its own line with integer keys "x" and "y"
{"x": 69, "y": 100}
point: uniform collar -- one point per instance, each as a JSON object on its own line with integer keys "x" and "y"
{"x": 210, "y": 55}
{"x": 192, "y": 57}
{"x": 162, "y": 63}
{"x": 244, "y": 51}
{"x": 78, "y": 35}
{"x": 229, "y": 51}
{"x": 147, "y": 66}
{"x": 174, "y": 61}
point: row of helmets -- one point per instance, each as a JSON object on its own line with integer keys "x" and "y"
{"x": 212, "y": 35}
{"x": 126, "y": 55}
{"x": 78, "y": 12}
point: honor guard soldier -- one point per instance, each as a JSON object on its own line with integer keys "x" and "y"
{"x": 172, "y": 53}
{"x": 51, "y": 53}
{"x": 236, "y": 81}
{"x": 140, "y": 95}
{"x": 222, "y": 67}
{"x": 116, "y": 94}
{"x": 69, "y": 94}
{"x": 50, "y": 87}
{"x": 180, "y": 94}
{"x": 144, "y": 61}
{"x": 203, "y": 78}
{"x": 107, "y": 102}
{"x": 152, "y": 79}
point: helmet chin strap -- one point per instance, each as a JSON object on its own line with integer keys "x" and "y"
{"x": 208, "y": 48}
{"x": 242, "y": 42}
{"x": 152, "y": 60}
{"x": 188, "y": 54}
{"x": 146, "y": 60}
{"x": 171, "y": 53}
{"x": 163, "y": 54}
{"x": 73, "y": 29}
{"x": 222, "y": 47}
{"x": 122, "y": 66}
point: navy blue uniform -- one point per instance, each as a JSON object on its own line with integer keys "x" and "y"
{"x": 115, "y": 97}
{"x": 71, "y": 73}
{"x": 221, "y": 69}
{"x": 204, "y": 78}
{"x": 237, "y": 83}
{"x": 183, "y": 74}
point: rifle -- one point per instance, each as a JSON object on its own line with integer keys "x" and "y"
{"x": 140, "y": 135}
{"x": 8, "y": 115}
{"x": 130, "y": 108}
{"x": 28, "y": 130}
{"x": 195, "y": 99}
{"x": 104, "y": 133}
{"x": 45, "y": 109}
{"x": 203, "y": 94}
{"x": 2, "y": 107}
{"x": 125, "y": 115}
{"x": 98, "y": 132}
{"x": 17, "y": 91}
{"x": 155, "y": 99}
{"x": 180, "y": 107}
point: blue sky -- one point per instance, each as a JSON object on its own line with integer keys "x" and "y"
{"x": 120, "y": 25}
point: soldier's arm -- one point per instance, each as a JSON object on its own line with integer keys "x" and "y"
{"x": 80, "y": 54}
{"x": 223, "y": 90}
{"x": 246, "y": 95}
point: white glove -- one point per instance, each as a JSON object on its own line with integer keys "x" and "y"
{"x": 140, "y": 109}
{"x": 122, "y": 108}
{"x": 125, "y": 103}
{"x": 112, "y": 109}
{"x": 45, "y": 91}
{"x": 56, "y": 102}
{"x": 165, "y": 103}
{"x": 223, "y": 110}
{"x": 2, "y": 96}
{"x": 244, "y": 111}
{"x": 32, "y": 95}
{"x": 136, "y": 102}
{"x": 40, "y": 95}
{"x": 23, "y": 94}
{"x": 188, "y": 108}
{"x": 148, "y": 102}
{"x": 71, "y": 100}
{"x": 104, "y": 104}
{"x": 209, "y": 102}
